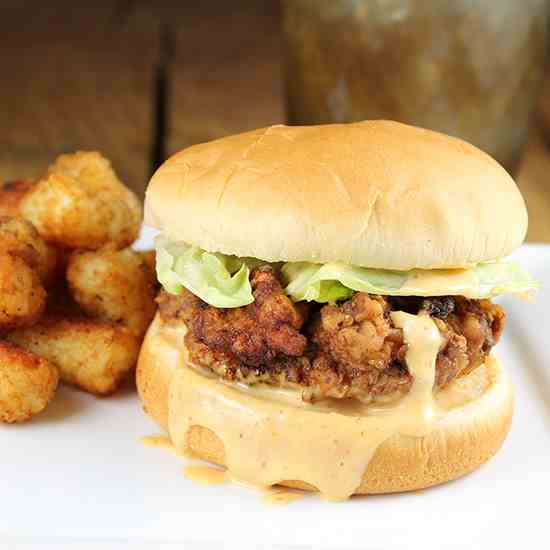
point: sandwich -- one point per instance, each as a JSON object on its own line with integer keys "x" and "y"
{"x": 326, "y": 319}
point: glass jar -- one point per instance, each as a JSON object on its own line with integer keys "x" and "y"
{"x": 469, "y": 69}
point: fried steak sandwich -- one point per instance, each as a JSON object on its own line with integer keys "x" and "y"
{"x": 326, "y": 319}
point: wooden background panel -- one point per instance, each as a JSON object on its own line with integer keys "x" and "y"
{"x": 543, "y": 112}
{"x": 225, "y": 71}
{"x": 534, "y": 182}
{"x": 534, "y": 173}
{"x": 140, "y": 80}
{"x": 76, "y": 75}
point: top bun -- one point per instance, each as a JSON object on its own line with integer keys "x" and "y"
{"x": 376, "y": 194}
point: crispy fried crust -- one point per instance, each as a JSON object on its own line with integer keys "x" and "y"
{"x": 92, "y": 355}
{"x": 27, "y": 383}
{"x": 81, "y": 203}
{"x": 466, "y": 438}
{"x": 11, "y": 195}
{"x": 20, "y": 238}
{"x": 114, "y": 285}
{"x": 345, "y": 350}
{"x": 22, "y": 296}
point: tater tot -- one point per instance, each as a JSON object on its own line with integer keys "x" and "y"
{"x": 91, "y": 355}
{"x": 11, "y": 195}
{"x": 115, "y": 286}
{"x": 20, "y": 238}
{"x": 27, "y": 383}
{"x": 22, "y": 296}
{"x": 81, "y": 203}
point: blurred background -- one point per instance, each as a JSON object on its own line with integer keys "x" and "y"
{"x": 140, "y": 80}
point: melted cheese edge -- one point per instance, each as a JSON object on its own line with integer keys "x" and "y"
{"x": 266, "y": 443}
{"x": 442, "y": 282}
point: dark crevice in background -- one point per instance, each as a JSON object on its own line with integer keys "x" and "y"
{"x": 161, "y": 97}
{"x": 122, "y": 10}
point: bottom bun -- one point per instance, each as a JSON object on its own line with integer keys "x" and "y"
{"x": 478, "y": 413}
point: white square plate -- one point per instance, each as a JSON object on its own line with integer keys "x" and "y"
{"x": 78, "y": 474}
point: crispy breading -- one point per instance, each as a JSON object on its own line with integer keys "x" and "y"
{"x": 22, "y": 296}
{"x": 27, "y": 383}
{"x": 20, "y": 238}
{"x": 115, "y": 286}
{"x": 469, "y": 329}
{"x": 91, "y": 355}
{"x": 257, "y": 334}
{"x": 346, "y": 350}
{"x": 359, "y": 334}
{"x": 11, "y": 195}
{"x": 81, "y": 203}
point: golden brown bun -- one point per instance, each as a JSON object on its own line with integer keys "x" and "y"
{"x": 375, "y": 193}
{"x": 463, "y": 440}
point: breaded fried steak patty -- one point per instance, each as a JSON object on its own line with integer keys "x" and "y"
{"x": 346, "y": 349}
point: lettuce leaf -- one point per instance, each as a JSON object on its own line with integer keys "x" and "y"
{"x": 219, "y": 280}
{"x": 503, "y": 278}
{"x": 223, "y": 281}
{"x": 305, "y": 281}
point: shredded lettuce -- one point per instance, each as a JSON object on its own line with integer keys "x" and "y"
{"x": 223, "y": 281}
{"x": 305, "y": 281}
{"x": 503, "y": 278}
{"x": 217, "y": 279}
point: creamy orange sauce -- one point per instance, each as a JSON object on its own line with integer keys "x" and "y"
{"x": 205, "y": 475}
{"x": 161, "y": 441}
{"x": 464, "y": 389}
{"x": 440, "y": 282}
{"x": 282, "y": 497}
{"x": 329, "y": 446}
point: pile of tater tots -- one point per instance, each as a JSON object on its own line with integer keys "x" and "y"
{"x": 75, "y": 298}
